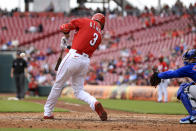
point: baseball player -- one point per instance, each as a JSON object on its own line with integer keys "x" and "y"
{"x": 187, "y": 91}
{"x": 162, "y": 87}
{"x": 75, "y": 64}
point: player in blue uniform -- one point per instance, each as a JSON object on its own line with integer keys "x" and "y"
{"x": 187, "y": 91}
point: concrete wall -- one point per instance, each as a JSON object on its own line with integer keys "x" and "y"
{"x": 59, "y": 5}
{"x": 7, "y": 84}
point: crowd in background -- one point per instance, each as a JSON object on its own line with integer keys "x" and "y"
{"x": 135, "y": 69}
{"x": 131, "y": 67}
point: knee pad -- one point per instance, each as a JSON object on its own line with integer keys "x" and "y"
{"x": 192, "y": 95}
{"x": 192, "y": 91}
{"x": 186, "y": 99}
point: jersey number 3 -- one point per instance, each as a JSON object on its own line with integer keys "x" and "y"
{"x": 93, "y": 42}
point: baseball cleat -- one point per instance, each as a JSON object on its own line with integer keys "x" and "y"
{"x": 193, "y": 119}
{"x": 186, "y": 120}
{"x": 49, "y": 117}
{"x": 100, "y": 111}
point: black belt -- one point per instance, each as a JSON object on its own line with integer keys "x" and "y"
{"x": 82, "y": 53}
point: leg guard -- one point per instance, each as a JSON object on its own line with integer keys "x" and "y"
{"x": 184, "y": 95}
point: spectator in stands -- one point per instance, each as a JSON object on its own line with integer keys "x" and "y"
{"x": 152, "y": 20}
{"x": 30, "y": 50}
{"x": 15, "y": 43}
{"x": 124, "y": 52}
{"x": 131, "y": 37}
{"x": 152, "y": 11}
{"x": 146, "y": 23}
{"x": 50, "y": 51}
{"x": 91, "y": 79}
{"x": 4, "y": 46}
{"x": 126, "y": 77}
{"x": 4, "y": 28}
{"x": 150, "y": 56}
{"x": 31, "y": 29}
{"x": 41, "y": 78}
{"x": 133, "y": 51}
{"x": 177, "y": 49}
{"x": 40, "y": 56}
{"x": 112, "y": 66}
{"x": 34, "y": 29}
{"x": 2, "y": 40}
{"x": 40, "y": 28}
{"x": 120, "y": 79}
{"x": 100, "y": 76}
{"x": 165, "y": 11}
{"x": 132, "y": 77}
{"x": 178, "y": 8}
{"x": 32, "y": 87}
{"x": 112, "y": 15}
{"x": 175, "y": 33}
{"x": 50, "y": 7}
{"x": 12, "y": 44}
{"x": 103, "y": 46}
{"x": 193, "y": 29}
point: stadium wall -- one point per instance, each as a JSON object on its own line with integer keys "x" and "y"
{"x": 123, "y": 92}
{"x": 6, "y": 82}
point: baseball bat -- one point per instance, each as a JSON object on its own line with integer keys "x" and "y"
{"x": 59, "y": 60}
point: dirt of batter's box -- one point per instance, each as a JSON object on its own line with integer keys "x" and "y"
{"x": 81, "y": 117}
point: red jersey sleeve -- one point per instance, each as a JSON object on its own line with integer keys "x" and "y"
{"x": 73, "y": 25}
{"x": 78, "y": 23}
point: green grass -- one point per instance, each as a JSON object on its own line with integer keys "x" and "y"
{"x": 149, "y": 107}
{"x": 26, "y": 129}
{"x": 65, "y": 99}
{"x": 70, "y": 100}
{"x": 23, "y": 106}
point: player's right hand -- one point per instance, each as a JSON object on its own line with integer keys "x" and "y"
{"x": 63, "y": 43}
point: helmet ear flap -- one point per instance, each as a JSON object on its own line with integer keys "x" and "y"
{"x": 100, "y": 18}
{"x": 102, "y": 25}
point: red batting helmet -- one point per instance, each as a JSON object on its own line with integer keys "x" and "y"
{"x": 100, "y": 18}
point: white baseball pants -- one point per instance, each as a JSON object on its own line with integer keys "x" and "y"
{"x": 74, "y": 66}
{"x": 162, "y": 90}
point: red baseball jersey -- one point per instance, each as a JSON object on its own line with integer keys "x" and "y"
{"x": 87, "y": 35}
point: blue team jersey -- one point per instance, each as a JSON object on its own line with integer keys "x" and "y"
{"x": 185, "y": 71}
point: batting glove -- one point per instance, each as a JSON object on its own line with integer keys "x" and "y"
{"x": 64, "y": 43}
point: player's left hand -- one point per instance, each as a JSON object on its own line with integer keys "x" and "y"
{"x": 64, "y": 43}
{"x": 154, "y": 79}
